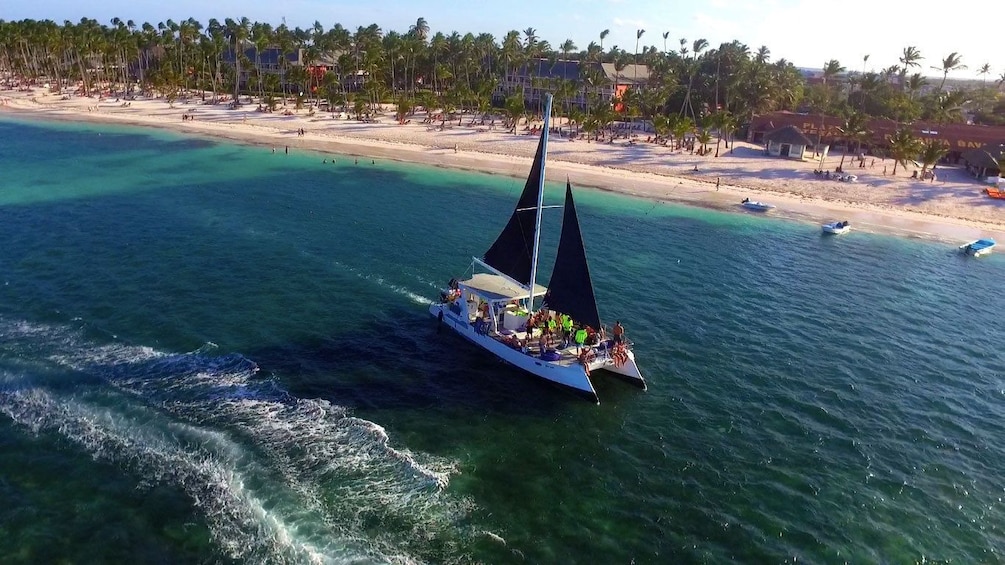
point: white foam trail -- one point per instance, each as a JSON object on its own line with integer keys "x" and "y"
{"x": 378, "y": 280}
{"x": 342, "y": 468}
{"x": 240, "y": 523}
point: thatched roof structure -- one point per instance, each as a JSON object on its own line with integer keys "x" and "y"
{"x": 788, "y": 134}
{"x": 986, "y": 157}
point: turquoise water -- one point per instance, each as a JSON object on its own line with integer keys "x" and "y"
{"x": 209, "y": 352}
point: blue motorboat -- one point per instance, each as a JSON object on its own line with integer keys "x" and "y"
{"x": 978, "y": 247}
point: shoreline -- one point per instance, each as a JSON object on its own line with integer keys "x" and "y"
{"x": 511, "y": 155}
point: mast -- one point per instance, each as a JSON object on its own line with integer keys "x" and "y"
{"x": 540, "y": 202}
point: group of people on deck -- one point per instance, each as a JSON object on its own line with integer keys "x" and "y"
{"x": 554, "y": 330}
{"x": 551, "y": 331}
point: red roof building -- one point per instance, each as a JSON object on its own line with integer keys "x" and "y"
{"x": 960, "y": 137}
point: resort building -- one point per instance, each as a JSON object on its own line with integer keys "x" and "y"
{"x": 959, "y": 137}
{"x": 274, "y": 61}
{"x": 545, "y": 75}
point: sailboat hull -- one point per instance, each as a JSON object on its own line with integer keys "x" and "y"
{"x": 628, "y": 372}
{"x": 571, "y": 376}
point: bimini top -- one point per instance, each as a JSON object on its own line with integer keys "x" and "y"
{"x": 495, "y": 288}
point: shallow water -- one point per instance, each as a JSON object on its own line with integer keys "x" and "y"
{"x": 213, "y": 352}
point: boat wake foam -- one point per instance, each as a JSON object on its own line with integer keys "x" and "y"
{"x": 378, "y": 280}
{"x": 322, "y": 477}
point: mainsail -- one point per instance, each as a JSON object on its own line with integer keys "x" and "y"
{"x": 570, "y": 290}
{"x": 512, "y": 252}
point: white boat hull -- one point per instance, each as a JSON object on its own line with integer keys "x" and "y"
{"x": 758, "y": 206}
{"x": 835, "y": 229}
{"x": 571, "y": 375}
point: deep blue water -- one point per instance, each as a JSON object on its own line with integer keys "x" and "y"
{"x": 209, "y": 352}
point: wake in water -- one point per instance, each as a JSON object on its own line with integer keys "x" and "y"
{"x": 279, "y": 479}
{"x": 380, "y": 281}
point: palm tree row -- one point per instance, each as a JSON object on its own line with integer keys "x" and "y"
{"x": 711, "y": 87}
{"x": 226, "y": 56}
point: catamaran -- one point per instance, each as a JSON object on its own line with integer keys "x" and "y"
{"x": 564, "y": 341}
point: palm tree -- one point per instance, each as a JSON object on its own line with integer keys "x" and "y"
{"x": 681, "y": 126}
{"x": 699, "y": 45}
{"x": 420, "y": 29}
{"x": 703, "y": 137}
{"x": 720, "y": 120}
{"x": 530, "y": 42}
{"x": 909, "y": 58}
{"x": 948, "y": 107}
{"x": 638, "y": 36}
{"x": 853, "y": 129}
{"x": 952, "y": 62}
{"x": 515, "y": 109}
{"x": 237, "y": 34}
{"x": 984, "y": 71}
{"x": 931, "y": 151}
{"x": 915, "y": 84}
{"x": 904, "y": 147}
{"x": 567, "y": 46}
{"x": 727, "y": 128}
{"x": 661, "y": 125}
{"x": 603, "y": 34}
{"x": 831, "y": 70}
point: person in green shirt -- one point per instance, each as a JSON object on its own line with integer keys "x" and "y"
{"x": 566, "y": 328}
{"x": 580, "y": 338}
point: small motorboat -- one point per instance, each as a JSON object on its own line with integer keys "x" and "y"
{"x": 978, "y": 247}
{"x": 837, "y": 228}
{"x": 756, "y": 206}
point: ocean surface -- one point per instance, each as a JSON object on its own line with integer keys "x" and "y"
{"x": 210, "y": 353}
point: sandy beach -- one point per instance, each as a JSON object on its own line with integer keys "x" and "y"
{"x": 953, "y": 208}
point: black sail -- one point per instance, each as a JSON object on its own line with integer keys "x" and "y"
{"x": 512, "y": 252}
{"x": 570, "y": 290}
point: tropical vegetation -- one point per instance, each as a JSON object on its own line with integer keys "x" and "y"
{"x": 690, "y": 91}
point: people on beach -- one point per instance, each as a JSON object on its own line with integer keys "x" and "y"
{"x": 747, "y": 171}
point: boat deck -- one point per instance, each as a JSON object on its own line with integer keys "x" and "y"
{"x": 568, "y": 356}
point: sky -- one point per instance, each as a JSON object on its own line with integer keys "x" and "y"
{"x": 807, "y": 33}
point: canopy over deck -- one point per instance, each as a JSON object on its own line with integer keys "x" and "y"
{"x": 498, "y": 289}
